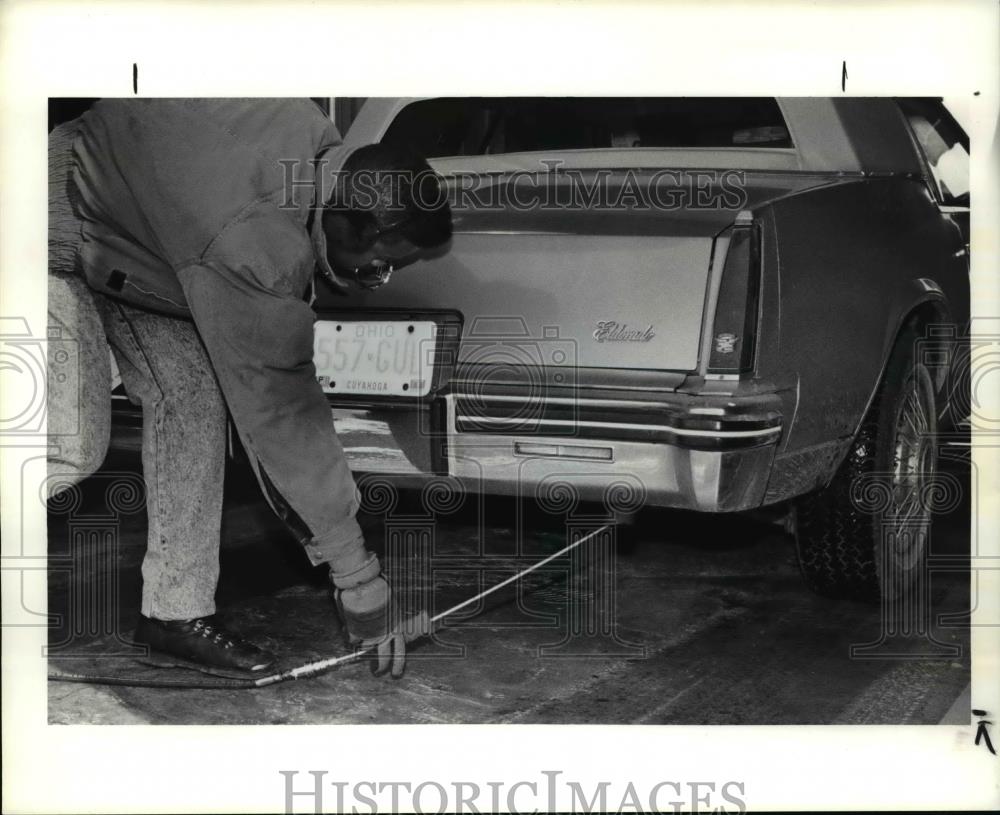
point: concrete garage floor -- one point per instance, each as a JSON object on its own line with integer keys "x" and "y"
{"x": 708, "y": 623}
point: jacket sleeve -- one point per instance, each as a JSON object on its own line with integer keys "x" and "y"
{"x": 246, "y": 298}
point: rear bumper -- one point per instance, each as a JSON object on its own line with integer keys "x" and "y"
{"x": 706, "y": 451}
{"x": 633, "y": 475}
{"x": 700, "y": 449}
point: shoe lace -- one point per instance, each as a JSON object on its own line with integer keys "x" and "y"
{"x": 216, "y": 634}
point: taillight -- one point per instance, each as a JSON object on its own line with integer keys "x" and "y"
{"x": 734, "y": 331}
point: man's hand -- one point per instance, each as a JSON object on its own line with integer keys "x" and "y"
{"x": 372, "y": 620}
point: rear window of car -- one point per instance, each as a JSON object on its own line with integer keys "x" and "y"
{"x": 480, "y": 126}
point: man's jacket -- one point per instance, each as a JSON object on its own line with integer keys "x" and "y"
{"x": 186, "y": 210}
{"x": 162, "y": 180}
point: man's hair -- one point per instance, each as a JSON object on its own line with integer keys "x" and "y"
{"x": 391, "y": 189}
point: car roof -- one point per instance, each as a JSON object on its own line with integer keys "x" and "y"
{"x": 840, "y": 135}
{"x": 859, "y": 134}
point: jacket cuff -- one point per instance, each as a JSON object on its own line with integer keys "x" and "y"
{"x": 368, "y": 570}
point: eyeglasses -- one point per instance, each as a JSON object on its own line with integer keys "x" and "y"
{"x": 373, "y": 275}
{"x": 377, "y": 273}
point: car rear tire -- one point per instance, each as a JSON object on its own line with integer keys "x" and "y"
{"x": 865, "y": 535}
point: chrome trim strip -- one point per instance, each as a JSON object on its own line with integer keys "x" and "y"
{"x": 509, "y": 232}
{"x": 559, "y": 400}
{"x": 613, "y": 387}
{"x": 680, "y": 431}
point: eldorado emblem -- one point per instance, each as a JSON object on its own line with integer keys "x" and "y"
{"x": 611, "y": 331}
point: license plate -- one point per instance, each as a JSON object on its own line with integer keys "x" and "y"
{"x": 375, "y": 357}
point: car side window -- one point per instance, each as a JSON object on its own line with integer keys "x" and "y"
{"x": 944, "y": 145}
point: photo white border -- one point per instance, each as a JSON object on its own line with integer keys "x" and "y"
{"x": 50, "y": 49}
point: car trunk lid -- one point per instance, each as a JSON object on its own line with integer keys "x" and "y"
{"x": 618, "y": 283}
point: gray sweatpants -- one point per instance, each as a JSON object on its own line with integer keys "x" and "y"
{"x": 183, "y": 435}
{"x": 165, "y": 369}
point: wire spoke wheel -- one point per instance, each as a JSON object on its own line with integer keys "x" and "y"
{"x": 851, "y": 544}
{"x": 914, "y": 461}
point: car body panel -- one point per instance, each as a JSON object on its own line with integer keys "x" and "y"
{"x": 843, "y": 301}
{"x": 853, "y": 241}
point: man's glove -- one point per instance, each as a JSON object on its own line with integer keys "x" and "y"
{"x": 373, "y": 620}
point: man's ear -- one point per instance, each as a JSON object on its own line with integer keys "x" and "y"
{"x": 350, "y": 229}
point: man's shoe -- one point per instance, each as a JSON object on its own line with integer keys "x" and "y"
{"x": 203, "y": 642}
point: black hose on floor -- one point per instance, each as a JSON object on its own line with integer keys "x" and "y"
{"x": 221, "y": 683}
{"x": 302, "y": 671}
